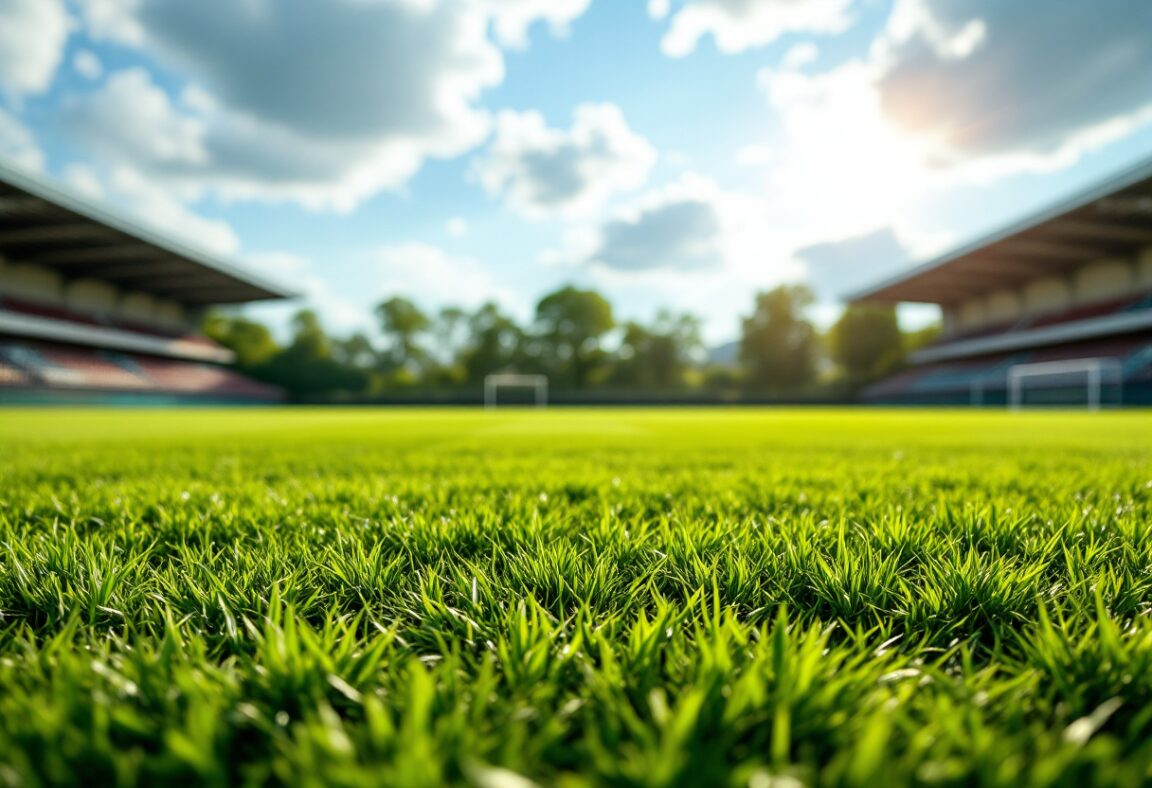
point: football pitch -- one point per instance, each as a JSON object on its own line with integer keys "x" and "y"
{"x": 744, "y": 597}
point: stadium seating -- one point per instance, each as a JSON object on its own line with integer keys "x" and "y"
{"x": 181, "y": 376}
{"x": 1070, "y": 315}
{"x": 94, "y": 370}
{"x": 974, "y": 378}
{"x": 45, "y": 364}
{"x": 39, "y": 368}
{"x": 964, "y": 380}
{"x": 66, "y": 367}
{"x": 11, "y": 376}
{"x": 36, "y": 309}
{"x": 1099, "y": 309}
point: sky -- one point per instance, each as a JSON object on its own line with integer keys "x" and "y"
{"x": 669, "y": 153}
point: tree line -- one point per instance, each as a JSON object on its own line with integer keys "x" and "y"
{"x": 576, "y": 340}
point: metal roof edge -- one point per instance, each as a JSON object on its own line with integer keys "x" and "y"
{"x": 41, "y": 187}
{"x": 1120, "y": 180}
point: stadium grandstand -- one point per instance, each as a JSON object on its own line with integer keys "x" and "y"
{"x": 1056, "y": 309}
{"x": 95, "y": 308}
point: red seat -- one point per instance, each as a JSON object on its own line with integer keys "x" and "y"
{"x": 65, "y": 366}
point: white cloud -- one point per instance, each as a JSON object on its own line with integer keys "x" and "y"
{"x": 457, "y": 227}
{"x": 87, "y": 64}
{"x": 844, "y": 167}
{"x": 17, "y": 144}
{"x": 319, "y": 103}
{"x": 858, "y": 150}
{"x": 131, "y": 119}
{"x": 84, "y": 180}
{"x": 688, "y": 245}
{"x": 32, "y": 38}
{"x": 299, "y": 273}
{"x": 737, "y": 25}
{"x": 431, "y": 276}
{"x": 511, "y": 19}
{"x": 152, "y": 205}
{"x": 800, "y": 55}
{"x": 993, "y": 79}
{"x": 113, "y": 20}
{"x": 680, "y": 231}
{"x": 690, "y": 227}
{"x": 836, "y": 268}
{"x": 157, "y": 206}
{"x": 542, "y": 172}
{"x": 323, "y": 104}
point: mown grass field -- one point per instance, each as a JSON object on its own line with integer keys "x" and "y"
{"x": 627, "y": 597}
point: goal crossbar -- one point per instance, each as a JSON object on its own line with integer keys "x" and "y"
{"x": 1095, "y": 369}
{"x": 493, "y": 384}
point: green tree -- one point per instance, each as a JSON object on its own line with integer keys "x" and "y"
{"x": 495, "y": 343}
{"x": 866, "y": 342}
{"x": 403, "y": 323}
{"x": 571, "y": 323}
{"x": 355, "y": 351}
{"x": 309, "y": 340}
{"x": 657, "y": 356}
{"x": 307, "y": 367}
{"x": 914, "y": 340}
{"x": 779, "y": 346}
{"x": 450, "y": 333}
{"x": 252, "y": 342}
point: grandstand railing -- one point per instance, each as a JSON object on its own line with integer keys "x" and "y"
{"x": 34, "y": 327}
{"x": 1114, "y": 323}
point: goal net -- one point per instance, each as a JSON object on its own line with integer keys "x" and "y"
{"x": 538, "y": 384}
{"x": 1092, "y": 382}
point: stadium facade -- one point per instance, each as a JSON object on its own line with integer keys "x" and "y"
{"x": 95, "y": 308}
{"x": 1056, "y": 309}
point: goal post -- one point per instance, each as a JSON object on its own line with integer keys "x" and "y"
{"x": 1090, "y": 373}
{"x": 493, "y": 384}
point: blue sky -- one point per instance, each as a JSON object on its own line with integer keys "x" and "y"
{"x": 679, "y": 153}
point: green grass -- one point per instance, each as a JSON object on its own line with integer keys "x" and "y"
{"x": 627, "y": 597}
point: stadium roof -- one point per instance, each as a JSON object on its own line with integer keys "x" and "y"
{"x": 1114, "y": 218}
{"x": 43, "y": 225}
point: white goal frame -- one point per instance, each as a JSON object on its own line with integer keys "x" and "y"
{"x": 1095, "y": 370}
{"x": 493, "y": 384}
